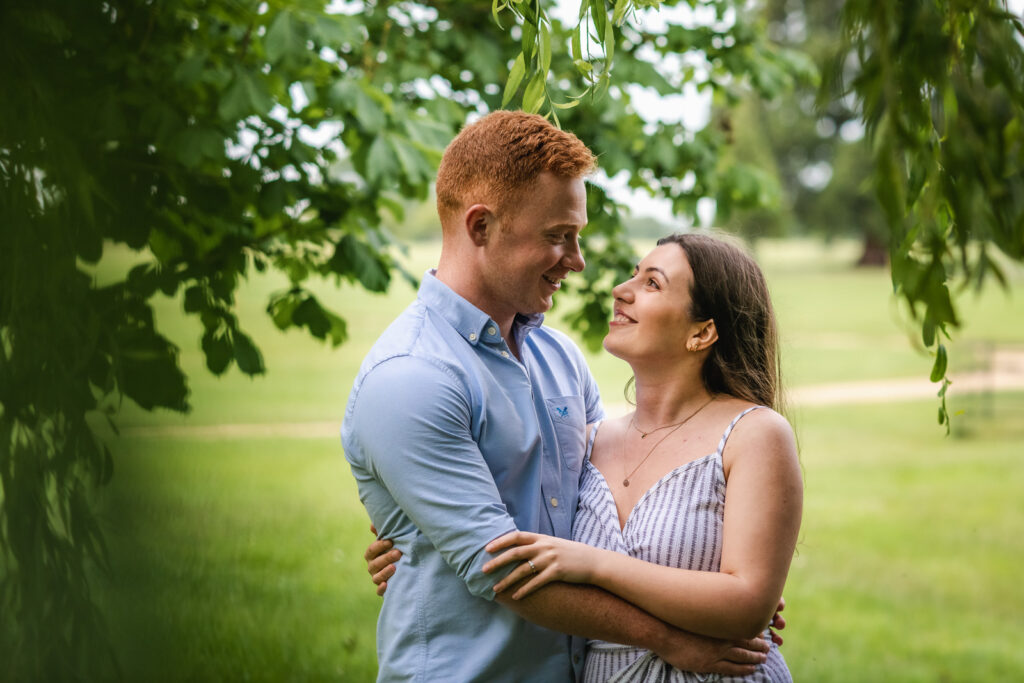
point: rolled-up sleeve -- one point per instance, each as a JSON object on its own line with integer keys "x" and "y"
{"x": 410, "y": 444}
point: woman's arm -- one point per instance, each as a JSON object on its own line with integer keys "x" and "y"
{"x": 764, "y": 496}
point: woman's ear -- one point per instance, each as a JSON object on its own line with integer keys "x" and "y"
{"x": 479, "y": 222}
{"x": 704, "y": 338}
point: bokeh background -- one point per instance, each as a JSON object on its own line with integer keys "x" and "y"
{"x": 237, "y": 534}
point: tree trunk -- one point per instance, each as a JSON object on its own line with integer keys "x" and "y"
{"x": 874, "y": 253}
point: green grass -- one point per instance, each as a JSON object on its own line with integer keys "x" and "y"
{"x": 241, "y": 558}
{"x": 908, "y": 564}
{"x": 238, "y": 560}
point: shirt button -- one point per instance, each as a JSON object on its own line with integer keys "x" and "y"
{"x": 472, "y": 337}
{"x": 491, "y": 330}
{"x": 554, "y": 502}
{"x": 504, "y": 354}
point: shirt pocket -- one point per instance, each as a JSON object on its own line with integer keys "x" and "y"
{"x": 570, "y": 422}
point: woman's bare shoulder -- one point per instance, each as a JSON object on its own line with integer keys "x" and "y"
{"x": 762, "y": 433}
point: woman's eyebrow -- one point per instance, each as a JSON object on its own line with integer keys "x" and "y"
{"x": 659, "y": 270}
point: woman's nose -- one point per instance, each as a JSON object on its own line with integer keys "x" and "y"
{"x": 622, "y": 291}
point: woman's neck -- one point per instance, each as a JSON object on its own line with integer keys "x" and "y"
{"x": 663, "y": 399}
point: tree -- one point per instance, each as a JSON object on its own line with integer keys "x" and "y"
{"x": 221, "y": 136}
{"x": 818, "y": 156}
{"x": 940, "y": 88}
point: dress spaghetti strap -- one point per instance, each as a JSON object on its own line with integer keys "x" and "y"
{"x": 728, "y": 430}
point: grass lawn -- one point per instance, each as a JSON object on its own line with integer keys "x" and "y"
{"x": 240, "y": 558}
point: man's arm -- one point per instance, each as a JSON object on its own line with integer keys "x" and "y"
{"x": 594, "y": 613}
{"x": 381, "y": 563}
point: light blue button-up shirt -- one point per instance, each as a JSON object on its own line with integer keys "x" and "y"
{"x": 454, "y": 442}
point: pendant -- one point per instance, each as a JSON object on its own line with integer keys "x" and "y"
{"x": 643, "y": 436}
{"x": 625, "y": 482}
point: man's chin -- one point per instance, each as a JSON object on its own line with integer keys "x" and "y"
{"x": 541, "y": 306}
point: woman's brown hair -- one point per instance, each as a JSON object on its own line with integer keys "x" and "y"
{"x": 729, "y": 288}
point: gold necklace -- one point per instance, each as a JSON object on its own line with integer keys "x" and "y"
{"x": 644, "y": 435}
{"x": 625, "y": 481}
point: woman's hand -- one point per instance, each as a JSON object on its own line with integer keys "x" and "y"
{"x": 380, "y": 561}
{"x": 545, "y": 558}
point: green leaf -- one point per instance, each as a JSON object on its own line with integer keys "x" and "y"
{"x": 282, "y": 309}
{"x": 928, "y": 332}
{"x": 619, "y": 15}
{"x": 533, "y": 96}
{"x": 597, "y": 13}
{"x": 428, "y": 132}
{"x": 565, "y": 105}
{"x": 246, "y": 96}
{"x": 939, "y": 369}
{"x": 148, "y": 371}
{"x": 194, "y": 145}
{"x": 609, "y": 46}
{"x": 496, "y": 7}
{"x": 218, "y": 349}
{"x": 248, "y": 357}
{"x": 355, "y": 257}
{"x": 189, "y": 71}
{"x": 515, "y": 77}
{"x": 195, "y": 299}
{"x": 382, "y": 166}
{"x": 283, "y": 38}
{"x": 529, "y": 40}
{"x": 310, "y": 314}
{"x": 350, "y": 96}
{"x": 544, "y": 59}
{"x": 415, "y": 167}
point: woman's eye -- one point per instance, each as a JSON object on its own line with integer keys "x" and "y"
{"x": 651, "y": 282}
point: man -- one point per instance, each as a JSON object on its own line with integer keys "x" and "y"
{"x": 467, "y": 420}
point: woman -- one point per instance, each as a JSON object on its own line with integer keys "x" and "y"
{"x": 690, "y": 506}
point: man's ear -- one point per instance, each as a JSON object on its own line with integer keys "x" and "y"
{"x": 479, "y": 223}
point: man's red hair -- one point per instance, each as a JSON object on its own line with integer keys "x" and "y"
{"x": 492, "y": 159}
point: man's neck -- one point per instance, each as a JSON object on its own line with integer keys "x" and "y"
{"x": 466, "y": 286}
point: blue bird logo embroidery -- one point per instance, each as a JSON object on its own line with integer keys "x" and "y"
{"x": 562, "y": 412}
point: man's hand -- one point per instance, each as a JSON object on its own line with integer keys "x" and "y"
{"x": 380, "y": 561}
{"x": 690, "y": 652}
{"x": 778, "y": 622}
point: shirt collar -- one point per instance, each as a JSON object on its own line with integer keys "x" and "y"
{"x": 469, "y": 321}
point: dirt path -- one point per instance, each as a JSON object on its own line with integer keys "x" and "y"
{"x": 1006, "y": 374}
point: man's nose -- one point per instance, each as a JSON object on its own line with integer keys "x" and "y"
{"x": 573, "y": 259}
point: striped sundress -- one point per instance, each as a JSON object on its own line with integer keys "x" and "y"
{"x": 677, "y": 523}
